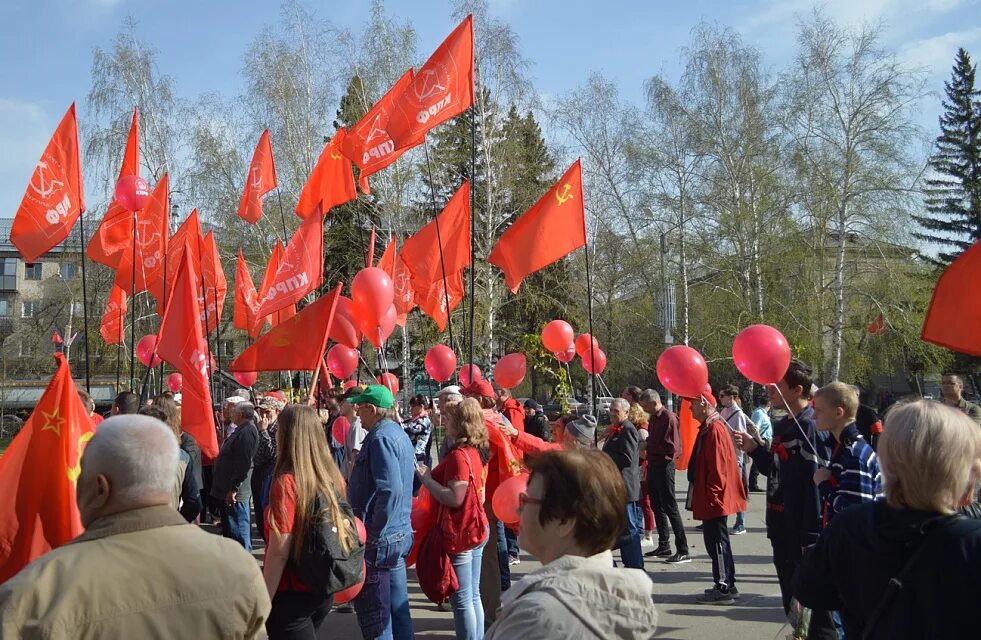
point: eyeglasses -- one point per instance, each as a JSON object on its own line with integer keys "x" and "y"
{"x": 524, "y": 499}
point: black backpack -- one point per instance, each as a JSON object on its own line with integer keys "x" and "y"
{"x": 323, "y": 565}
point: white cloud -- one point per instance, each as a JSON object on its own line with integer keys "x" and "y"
{"x": 936, "y": 54}
{"x": 23, "y": 136}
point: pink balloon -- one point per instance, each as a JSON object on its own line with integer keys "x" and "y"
{"x": 246, "y": 378}
{"x": 761, "y": 353}
{"x": 558, "y": 336}
{"x": 339, "y": 430}
{"x": 346, "y": 595}
{"x": 582, "y": 344}
{"x": 362, "y": 532}
{"x": 377, "y": 334}
{"x": 440, "y": 362}
{"x": 132, "y": 192}
{"x": 145, "y": 351}
{"x": 350, "y": 384}
{"x": 469, "y": 374}
{"x": 344, "y": 328}
{"x": 175, "y": 382}
{"x": 391, "y": 381}
{"x": 596, "y": 364}
{"x": 509, "y": 371}
{"x": 373, "y": 292}
{"x": 342, "y": 361}
{"x": 708, "y": 389}
{"x": 566, "y": 356}
{"x": 505, "y": 499}
{"x": 682, "y": 371}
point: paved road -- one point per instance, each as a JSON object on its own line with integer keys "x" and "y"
{"x": 757, "y": 615}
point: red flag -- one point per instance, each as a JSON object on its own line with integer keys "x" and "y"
{"x": 387, "y": 260}
{"x": 188, "y": 236}
{"x": 38, "y": 472}
{"x": 421, "y": 252}
{"x": 331, "y": 183}
{"x": 56, "y": 338}
{"x": 53, "y": 199}
{"x": 297, "y": 344}
{"x": 404, "y": 296}
{"x": 434, "y": 304}
{"x": 116, "y": 229}
{"x": 113, "y": 327}
{"x": 246, "y": 300}
{"x": 181, "y": 343}
{"x": 300, "y": 271}
{"x": 954, "y": 315}
{"x": 877, "y": 326}
{"x": 554, "y": 227}
{"x": 440, "y": 90}
{"x": 688, "y": 429}
{"x": 152, "y": 231}
{"x": 260, "y": 181}
{"x": 368, "y": 144}
{"x": 282, "y": 315}
{"x": 215, "y": 286}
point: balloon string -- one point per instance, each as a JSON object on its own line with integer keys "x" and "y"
{"x": 821, "y": 461}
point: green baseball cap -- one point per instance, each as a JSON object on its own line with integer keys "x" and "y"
{"x": 376, "y": 394}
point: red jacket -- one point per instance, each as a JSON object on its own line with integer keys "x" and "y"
{"x": 515, "y": 413}
{"x": 533, "y": 444}
{"x": 717, "y": 487}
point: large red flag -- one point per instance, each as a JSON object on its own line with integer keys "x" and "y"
{"x": 368, "y": 144}
{"x": 215, "y": 285}
{"x": 113, "y": 327}
{"x": 421, "y": 252}
{"x": 331, "y": 183}
{"x": 441, "y": 89}
{"x": 954, "y": 316}
{"x": 260, "y": 181}
{"x": 188, "y": 236}
{"x": 152, "y": 231}
{"x": 53, "y": 199}
{"x": 552, "y": 228}
{"x": 387, "y": 260}
{"x": 297, "y": 344}
{"x": 404, "y": 296}
{"x": 267, "y": 279}
{"x": 246, "y": 299}
{"x": 181, "y": 343}
{"x": 38, "y": 472}
{"x": 435, "y": 304}
{"x": 116, "y": 229}
{"x": 300, "y": 271}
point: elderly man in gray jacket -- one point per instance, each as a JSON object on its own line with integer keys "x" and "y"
{"x": 232, "y": 482}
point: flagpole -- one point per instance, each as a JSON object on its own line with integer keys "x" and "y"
{"x": 85, "y": 300}
{"x": 473, "y": 218}
{"x": 217, "y": 329}
{"x": 132, "y": 317}
{"x": 282, "y": 216}
{"x": 163, "y": 305}
{"x": 589, "y": 296}
{"x": 207, "y": 341}
{"x": 439, "y": 242}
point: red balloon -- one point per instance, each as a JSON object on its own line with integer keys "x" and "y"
{"x": 582, "y": 344}
{"x": 440, "y": 362}
{"x": 708, "y": 390}
{"x": 566, "y": 356}
{"x": 345, "y": 596}
{"x": 339, "y": 430}
{"x": 350, "y": 384}
{"x": 362, "y": 532}
{"x": 469, "y": 374}
{"x": 509, "y": 371}
{"x": 373, "y": 292}
{"x": 344, "y": 328}
{"x": 761, "y": 353}
{"x": 391, "y": 381}
{"x": 132, "y": 192}
{"x": 505, "y": 499}
{"x": 246, "y": 378}
{"x": 558, "y": 336}
{"x": 342, "y": 361}
{"x": 175, "y": 382}
{"x": 378, "y": 334}
{"x": 145, "y": 351}
{"x": 596, "y": 364}
{"x": 682, "y": 371}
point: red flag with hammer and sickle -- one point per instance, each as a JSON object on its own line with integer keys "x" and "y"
{"x": 260, "y": 181}
{"x": 300, "y": 271}
{"x": 331, "y": 183}
{"x": 115, "y": 232}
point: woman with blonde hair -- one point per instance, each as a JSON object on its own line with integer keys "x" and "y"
{"x": 462, "y": 471}
{"x": 904, "y": 567}
{"x": 304, "y": 471}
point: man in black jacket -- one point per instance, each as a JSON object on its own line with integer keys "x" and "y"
{"x": 623, "y": 445}
{"x": 233, "y": 473}
{"x": 535, "y": 421}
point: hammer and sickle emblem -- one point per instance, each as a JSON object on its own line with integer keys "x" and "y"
{"x": 74, "y": 472}
{"x": 334, "y": 153}
{"x": 565, "y": 194}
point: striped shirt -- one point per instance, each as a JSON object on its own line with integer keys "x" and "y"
{"x": 855, "y": 474}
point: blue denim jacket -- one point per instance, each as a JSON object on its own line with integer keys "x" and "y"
{"x": 380, "y": 490}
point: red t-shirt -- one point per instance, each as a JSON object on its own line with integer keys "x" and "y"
{"x": 282, "y": 500}
{"x": 454, "y": 468}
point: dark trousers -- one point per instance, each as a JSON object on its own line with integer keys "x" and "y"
{"x": 503, "y": 559}
{"x": 207, "y": 473}
{"x": 660, "y": 483}
{"x": 297, "y": 615}
{"x": 716, "y": 535}
{"x": 260, "y": 500}
{"x": 786, "y": 560}
{"x": 512, "y": 539}
{"x": 754, "y": 475}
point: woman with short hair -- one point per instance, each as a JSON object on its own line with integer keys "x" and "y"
{"x": 906, "y": 567}
{"x": 571, "y": 517}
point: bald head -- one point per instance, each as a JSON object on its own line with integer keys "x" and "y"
{"x": 130, "y": 463}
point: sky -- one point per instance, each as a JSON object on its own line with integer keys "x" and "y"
{"x": 46, "y": 46}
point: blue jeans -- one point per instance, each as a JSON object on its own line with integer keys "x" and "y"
{"x": 502, "y": 557}
{"x": 512, "y": 539}
{"x": 468, "y": 611}
{"x": 235, "y": 523}
{"x": 630, "y": 551}
{"x": 383, "y": 604}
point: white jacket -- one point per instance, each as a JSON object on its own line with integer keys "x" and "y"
{"x": 575, "y": 598}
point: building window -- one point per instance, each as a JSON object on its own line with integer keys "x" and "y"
{"x": 28, "y": 309}
{"x": 23, "y": 348}
{"x": 227, "y": 347}
{"x": 32, "y": 270}
{"x": 8, "y": 274}
{"x": 4, "y": 308}
{"x": 68, "y": 270}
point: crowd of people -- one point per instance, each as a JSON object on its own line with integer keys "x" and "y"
{"x": 874, "y": 525}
